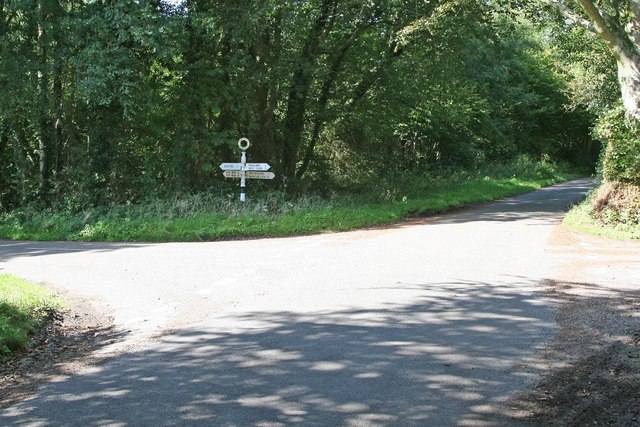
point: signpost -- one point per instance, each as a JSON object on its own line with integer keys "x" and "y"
{"x": 249, "y": 174}
{"x": 244, "y": 170}
{"x": 231, "y": 166}
{"x": 247, "y": 166}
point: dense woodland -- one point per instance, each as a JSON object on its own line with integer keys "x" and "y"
{"x": 114, "y": 101}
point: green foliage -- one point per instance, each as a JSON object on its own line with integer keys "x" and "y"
{"x": 23, "y": 308}
{"x": 622, "y": 154}
{"x": 213, "y": 216}
{"x": 587, "y": 67}
{"x": 486, "y": 91}
{"x": 109, "y": 103}
{"x": 590, "y": 71}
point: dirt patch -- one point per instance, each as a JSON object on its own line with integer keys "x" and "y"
{"x": 593, "y": 362}
{"x": 65, "y": 345}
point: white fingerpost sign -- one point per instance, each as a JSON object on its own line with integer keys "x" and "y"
{"x": 244, "y": 170}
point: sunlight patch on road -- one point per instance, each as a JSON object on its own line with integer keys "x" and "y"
{"x": 326, "y": 366}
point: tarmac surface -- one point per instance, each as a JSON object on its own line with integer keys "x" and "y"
{"x": 435, "y": 322}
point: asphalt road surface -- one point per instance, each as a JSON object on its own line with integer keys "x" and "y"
{"x": 430, "y": 323}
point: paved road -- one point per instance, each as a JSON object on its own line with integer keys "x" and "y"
{"x": 429, "y": 323}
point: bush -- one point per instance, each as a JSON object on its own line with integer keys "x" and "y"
{"x": 622, "y": 141}
{"x": 617, "y": 204}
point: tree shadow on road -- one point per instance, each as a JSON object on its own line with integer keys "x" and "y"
{"x": 453, "y": 358}
{"x": 66, "y": 342}
{"x": 10, "y": 249}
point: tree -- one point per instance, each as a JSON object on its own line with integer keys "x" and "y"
{"x": 28, "y": 73}
{"x": 111, "y": 101}
{"x": 482, "y": 88}
{"x": 617, "y": 23}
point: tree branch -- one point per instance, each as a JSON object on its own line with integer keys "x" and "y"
{"x": 325, "y": 94}
{"x": 570, "y": 14}
{"x": 612, "y": 33}
{"x": 634, "y": 5}
{"x": 299, "y": 90}
{"x": 633, "y": 27}
{"x": 598, "y": 19}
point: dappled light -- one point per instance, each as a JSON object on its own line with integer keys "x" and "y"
{"x": 400, "y": 365}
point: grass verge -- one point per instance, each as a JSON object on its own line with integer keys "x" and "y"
{"x": 24, "y": 307}
{"x": 209, "y": 217}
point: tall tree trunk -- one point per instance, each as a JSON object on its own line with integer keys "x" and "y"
{"x": 100, "y": 152}
{"x": 4, "y": 137}
{"x": 42, "y": 84}
{"x": 20, "y": 161}
{"x": 298, "y": 94}
{"x": 58, "y": 96}
{"x": 267, "y": 54}
{"x": 629, "y": 79}
{"x": 325, "y": 93}
{"x": 6, "y": 184}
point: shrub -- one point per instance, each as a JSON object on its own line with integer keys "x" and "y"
{"x": 622, "y": 141}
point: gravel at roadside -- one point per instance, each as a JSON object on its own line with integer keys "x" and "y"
{"x": 65, "y": 345}
{"x": 593, "y": 362}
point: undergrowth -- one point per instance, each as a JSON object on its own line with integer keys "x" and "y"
{"x": 219, "y": 215}
{"x": 617, "y": 204}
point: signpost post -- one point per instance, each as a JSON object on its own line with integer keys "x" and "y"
{"x": 244, "y": 170}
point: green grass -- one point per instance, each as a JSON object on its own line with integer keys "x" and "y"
{"x": 580, "y": 220}
{"x": 24, "y": 307}
{"x": 207, "y": 217}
